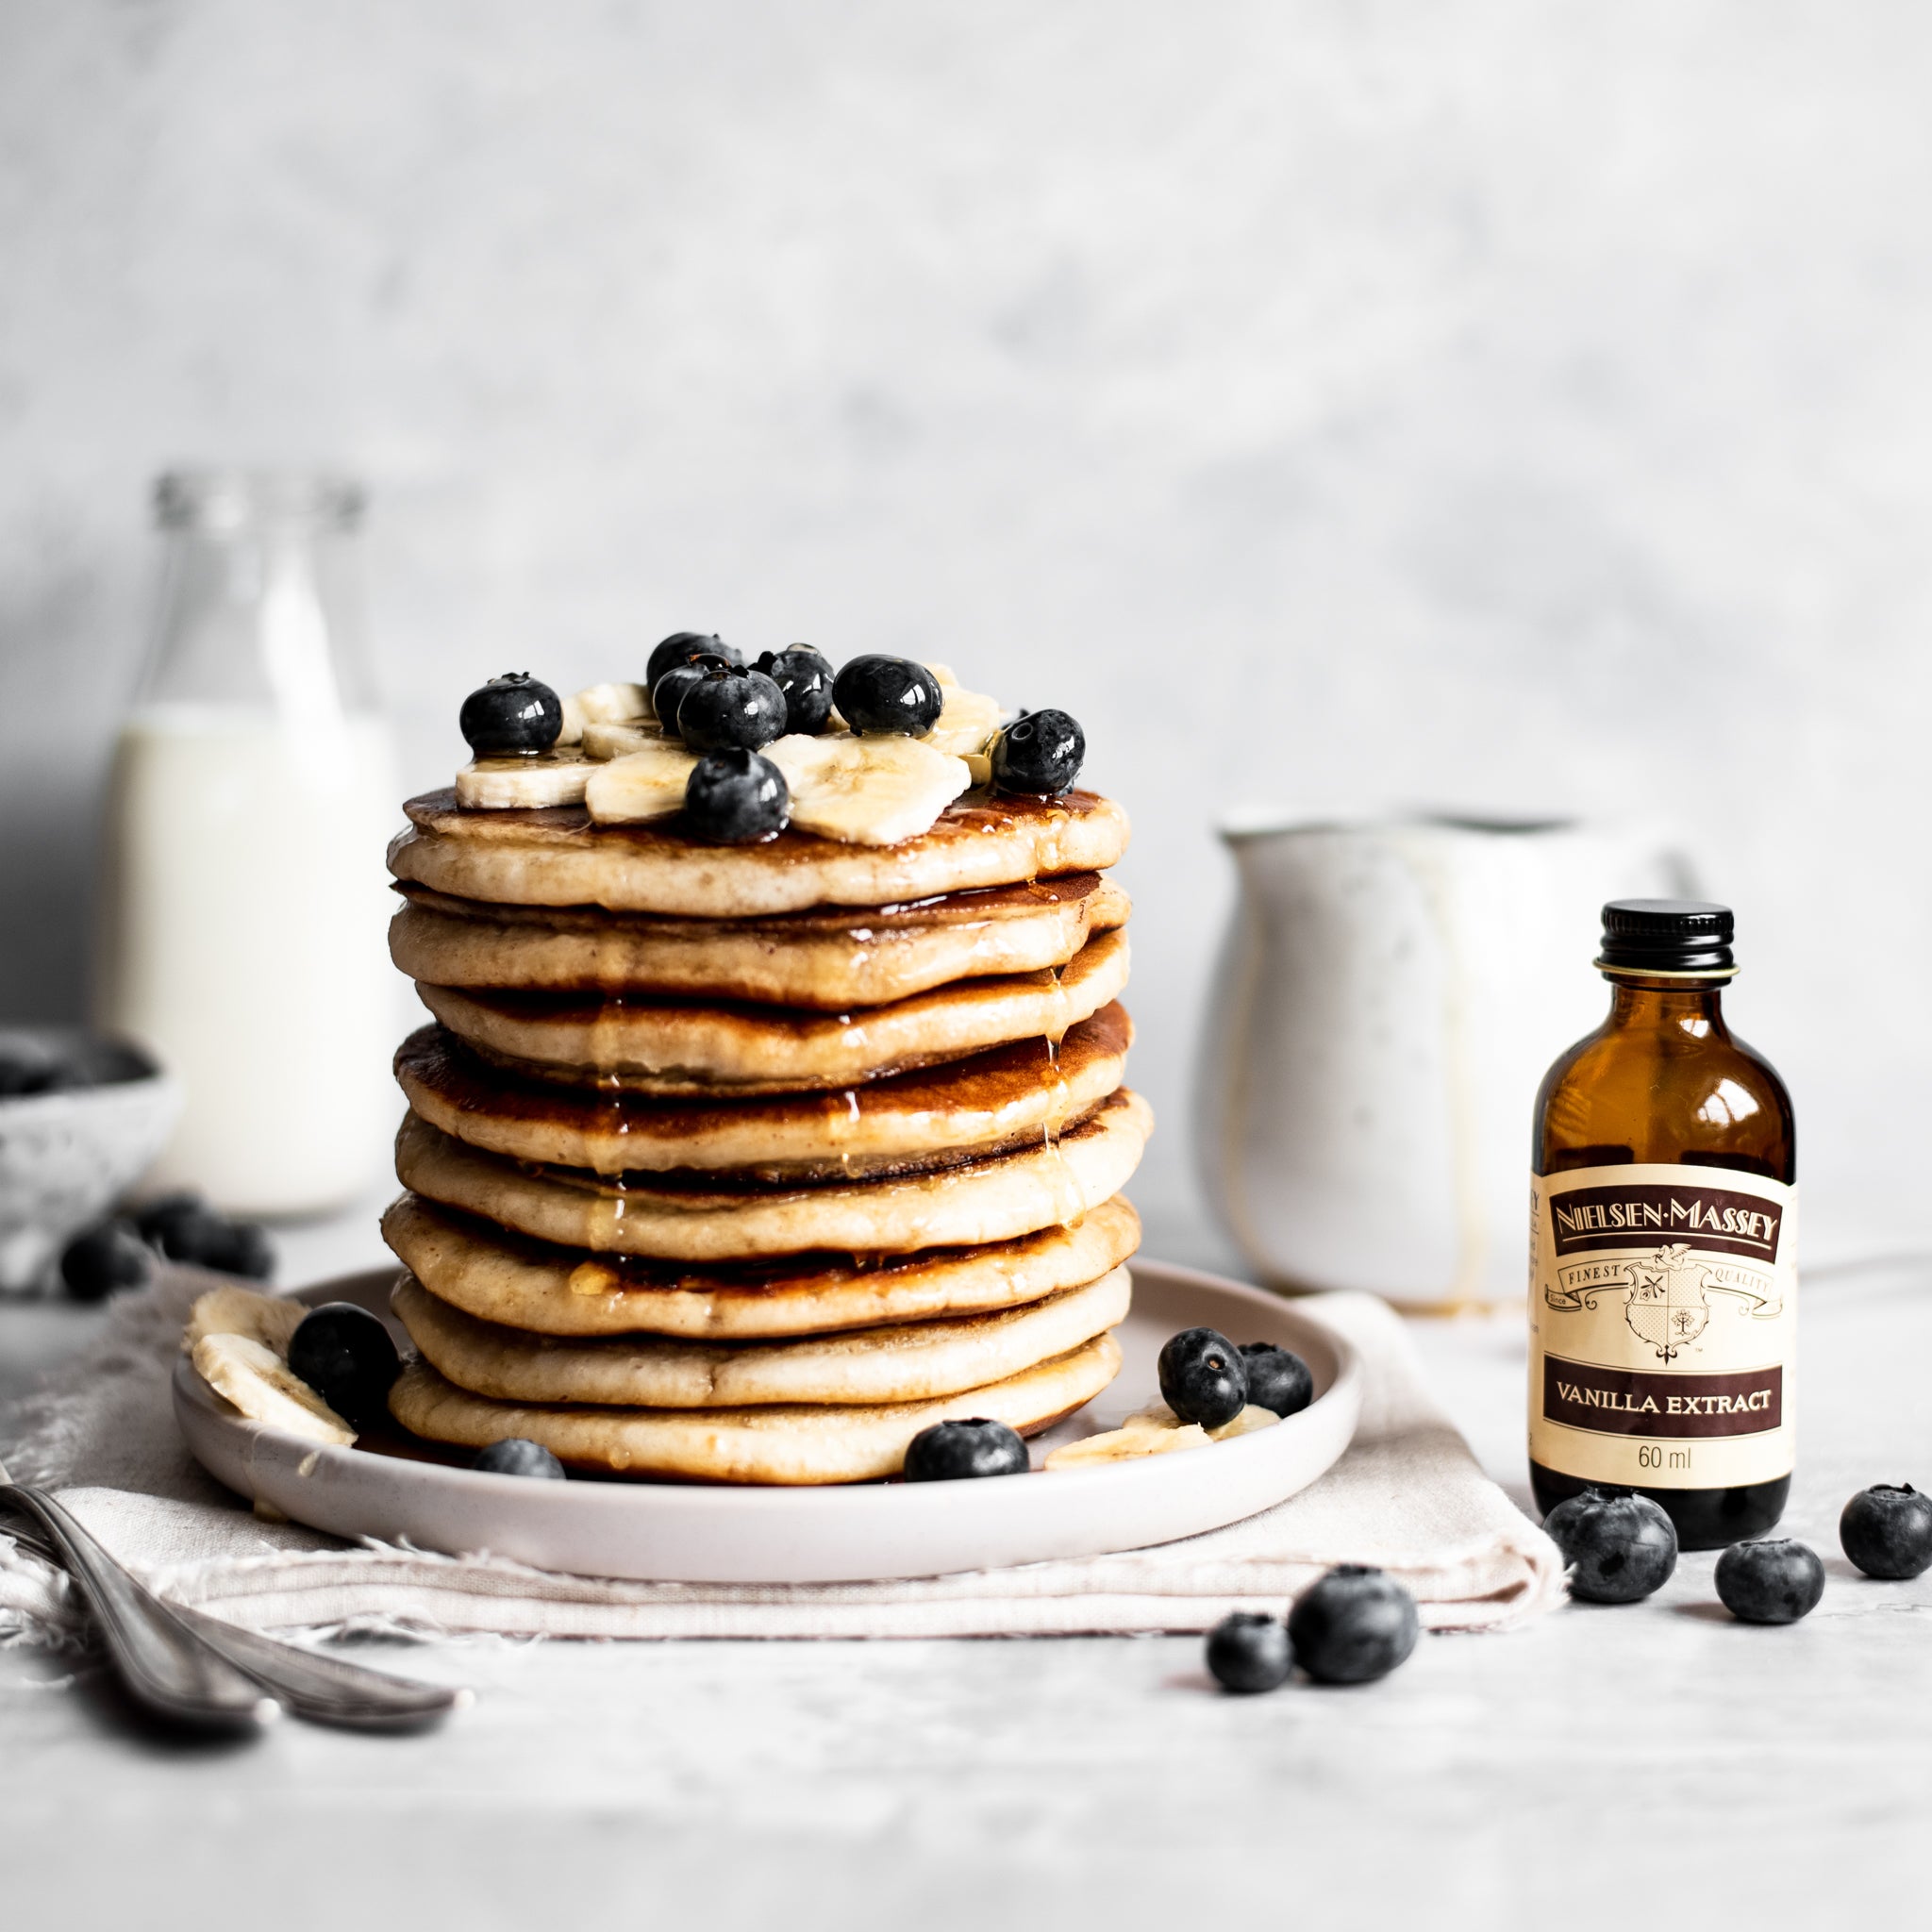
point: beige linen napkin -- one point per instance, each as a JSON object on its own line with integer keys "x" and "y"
{"x": 1407, "y": 1496}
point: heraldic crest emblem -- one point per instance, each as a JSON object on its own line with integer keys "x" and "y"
{"x": 1667, "y": 1298}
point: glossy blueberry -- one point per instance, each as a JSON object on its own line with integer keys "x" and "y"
{"x": 519, "y": 1456}
{"x": 1247, "y": 1651}
{"x": 1887, "y": 1531}
{"x": 736, "y": 798}
{"x": 1621, "y": 1548}
{"x": 511, "y": 716}
{"x": 948, "y": 1451}
{"x": 805, "y": 676}
{"x": 1278, "y": 1378}
{"x": 346, "y": 1355}
{"x": 888, "y": 694}
{"x": 687, "y": 647}
{"x": 111, "y": 1255}
{"x": 1352, "y": 1625}
{"x": 732, "y": 709}
{"x": 1040, "y": 753}
{"x": 1769, "y": 1581}
{"x": 671, "y": 690}
{"x": 1203, "y": 1377}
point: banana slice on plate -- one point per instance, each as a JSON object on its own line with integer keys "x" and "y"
{"x": 1156, "y": 1432}
{"x": 263, "y": 1386}
{"x": 269, "y": 1319}
{"x": 645, "y": 783}
{"x": 866, "y": 791}
{"x": 528, "y": 784}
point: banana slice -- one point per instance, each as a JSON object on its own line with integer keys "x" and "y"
{"x": 867, "y": 791}
{"x": 612, "y": 703}
{"x": 647, "y": 783}
{"x": 574, "y": 722}
{"x": 526, "y": 784}
{"x": 966, "y": 722}
{"x": 1126, "y": 1444}
{"x": 269, "y": 1319}
{"x": 265, "y": 1390}
{"x": 605, "y": 742}
{"x": 1251, "y": 1418}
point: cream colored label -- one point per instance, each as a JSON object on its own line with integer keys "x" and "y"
{"x": 1663, "y": 1307}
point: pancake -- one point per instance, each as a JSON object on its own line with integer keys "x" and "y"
{"x": 907, "y": 1362}
{"x": 788, "y": 1443}
{"x": 557, "y": 857}
{"x": 1000, "y": 1099}
{"x": 829, "y": 960}
{"x": 654, "y": 1046}
{"x": 991, "y": 1200}
{"x": 510, "y": 1279}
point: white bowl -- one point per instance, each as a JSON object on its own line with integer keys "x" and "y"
{"x": 692, "y": 1533}
{"x": 67, "y": 1156}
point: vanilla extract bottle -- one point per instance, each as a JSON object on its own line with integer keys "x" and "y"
{"x": 1663, "y": 1244}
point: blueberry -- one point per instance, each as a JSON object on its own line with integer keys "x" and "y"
{"x": 1621, "y": 1547}
{"x": 1770, "y": 1582}
{"x": 951, "y": 1449}
{"x": 1248, "y": 1652}
{"x": 511, "y": 716}
{"x": 1352, "y": 1625}
{"x": 888, "y": 694}
{"x": 1278, "y": 1378}
{"x": 805, "y": 676}
{"x": 519, "y": 1456}
{"x": 731, "y": 709}
{"x": 346, "y": 1355}
{"x": 1040, "y": 753}
{"x": 185, "y": 1228}
{"x": 669, "y": 691}
{"x": 105, "y": 1257}
{"x": 736, "y": 798}
{"x": 21, "y": 1075}
{"x": 165, "y": 1212}
{"x": 687, "y": 647}
{"x": 1203, "y": 1377}
{"x": 1887, "y": 1531}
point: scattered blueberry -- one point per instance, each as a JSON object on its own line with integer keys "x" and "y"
{"x": 736, "y": 798}
{"x": 1770, "y": 1582}
{"x": 1887, "y": 1531}
{"x": 21, "y": 1075}
{"x": 346, "y": 1355}
{"x": 511, "y": 716}
{"x": 805, "y": 676}
{"x": 1040, "y": 753}
{"x": 686, "y": 647}
{"x": 950, "y": 1450}
{"x": 185, "y": 1228}
{"x": 1248, "y": 1652}
{"x": 671, "y": 690}
{"x": 105, "y": 1257}
{"x": 519, "y": 1456}
{"x": 888, "y": 694}
{"x": 1352, "y": 1625}
{"x": 1622, "y": 1548}
{"x": 1203, "y": 1377}
{"x": 1277, "y": 1377}
{"x": 731, "y": 709}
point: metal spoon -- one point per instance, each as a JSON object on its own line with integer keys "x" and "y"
{"x": 191, "y": 1668}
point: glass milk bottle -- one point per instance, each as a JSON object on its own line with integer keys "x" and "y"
{"x": 244, "y": 894}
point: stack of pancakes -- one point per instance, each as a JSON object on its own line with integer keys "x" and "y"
{"x": 747, "y": 1163}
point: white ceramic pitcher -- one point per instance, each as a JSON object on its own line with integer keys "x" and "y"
{"x": 1387, "y": 999}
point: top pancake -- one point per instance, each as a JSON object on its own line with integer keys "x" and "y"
{"x": 560, "y": 857}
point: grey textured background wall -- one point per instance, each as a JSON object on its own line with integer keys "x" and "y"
{"x": 1518, "y": 406}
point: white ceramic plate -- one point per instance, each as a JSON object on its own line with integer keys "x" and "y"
{"x": 683, "y": 1533}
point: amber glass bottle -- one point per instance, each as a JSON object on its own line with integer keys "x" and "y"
{"x": 1663, "y": 1244}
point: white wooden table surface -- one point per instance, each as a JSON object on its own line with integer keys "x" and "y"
{"x": 1652, "y": 1765}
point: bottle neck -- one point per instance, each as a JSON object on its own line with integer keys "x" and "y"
{"x": 1694, "y": 1008}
